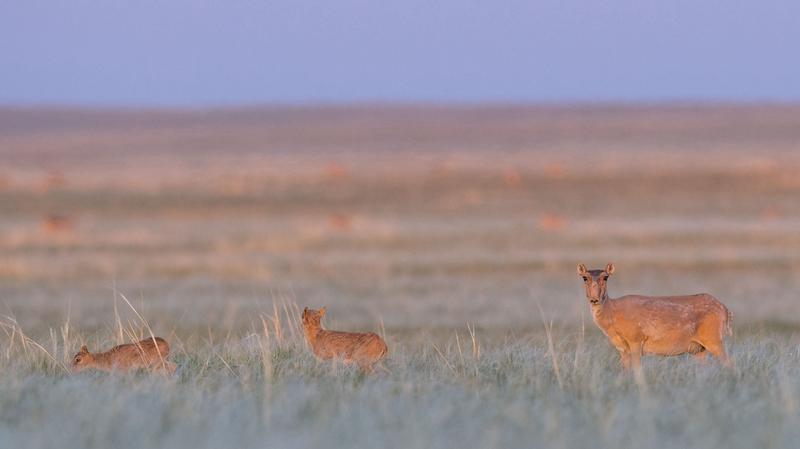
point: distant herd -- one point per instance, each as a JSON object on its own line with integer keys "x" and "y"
{"x": 635, "y": 325}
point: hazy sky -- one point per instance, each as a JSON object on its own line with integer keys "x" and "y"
{"x": 204, "y": 52}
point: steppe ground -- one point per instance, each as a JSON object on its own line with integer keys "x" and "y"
{"x": 453, "y": 231}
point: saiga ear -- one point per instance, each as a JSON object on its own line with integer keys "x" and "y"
{"x": 322, "y": 312}
{"x": 84, "y": 349}
{"x": 305, "y": 311}
{"x": 581, "y": 269}
{"x": 610, "y": 269}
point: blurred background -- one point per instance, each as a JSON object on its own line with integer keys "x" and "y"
{"x": 417, "y": 164}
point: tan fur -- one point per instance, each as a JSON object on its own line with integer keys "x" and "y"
{"x": 146, "y": 354}
{"x": 658, "y": 325}
{"x": 364, "y": 349}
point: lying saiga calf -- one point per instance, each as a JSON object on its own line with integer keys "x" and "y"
{"x": 150, "y": 354}
{"x": 660, "y": 325}
{"x": 364, "y": 349}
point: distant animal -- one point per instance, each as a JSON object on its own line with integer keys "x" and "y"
{"x": 55, "y": 223}
{"x": 150, "y": 354}
{"x": 364, "y": 349}
{"x": 658, "y": 325}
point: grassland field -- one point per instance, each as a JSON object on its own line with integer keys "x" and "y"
{"x": 452, "y": 231}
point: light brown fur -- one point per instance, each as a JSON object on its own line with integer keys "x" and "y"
{"x": 660, "y": 325}
{"x": 150, "y": 354}
{"x": 364, "y": 349}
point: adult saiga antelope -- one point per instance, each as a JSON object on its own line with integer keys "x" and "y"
{"x": 660, "y": 325}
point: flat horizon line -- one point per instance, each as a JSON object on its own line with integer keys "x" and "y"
{"x": 407, "y": 105}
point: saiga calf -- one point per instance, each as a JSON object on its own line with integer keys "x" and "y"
{"x": 150, "y": 353}
{"x": 364, "y": 349}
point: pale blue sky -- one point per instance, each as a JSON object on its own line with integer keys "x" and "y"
{"x": 223, "y": 52}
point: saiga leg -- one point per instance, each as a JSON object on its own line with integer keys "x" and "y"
{"x": 636, "y": 363}
{"x": 625, "y": 358}
{"x": 636, "y": 356}
{"x": 717, "y": 349}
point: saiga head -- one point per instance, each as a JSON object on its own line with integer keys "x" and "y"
{"x": 82, "y": 360}
{"x": 313, "y": 318}
{"x": 595, "y": 282}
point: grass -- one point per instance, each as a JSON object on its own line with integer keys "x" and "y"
{"x": 406, "y": 222}
{"x": 263, "y": 388}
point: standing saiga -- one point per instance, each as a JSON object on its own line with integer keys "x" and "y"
{"x": 659, "y": 325}
{"x": 366, "y": 349}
